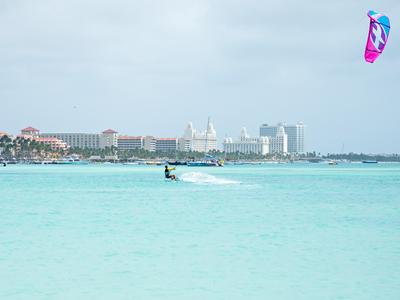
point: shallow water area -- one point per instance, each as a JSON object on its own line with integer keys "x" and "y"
{"x": 294, "y": 231}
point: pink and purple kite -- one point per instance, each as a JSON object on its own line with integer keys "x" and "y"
{"x": 379, "y": 28}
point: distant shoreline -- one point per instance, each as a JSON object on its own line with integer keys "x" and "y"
{"x": 160, "y": 162}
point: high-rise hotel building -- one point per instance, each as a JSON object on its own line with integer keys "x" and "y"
{"x": 295, "y": 135}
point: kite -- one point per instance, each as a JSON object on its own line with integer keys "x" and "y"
{"x": 379, "y": 28}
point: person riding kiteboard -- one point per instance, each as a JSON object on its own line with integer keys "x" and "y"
{"x": 168, "y": 174}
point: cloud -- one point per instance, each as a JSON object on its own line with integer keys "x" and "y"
{"x": 150, "y": 66}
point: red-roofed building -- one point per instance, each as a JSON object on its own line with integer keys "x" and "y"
{"x": 108, "y": 138}
{"x": 55, "y": 143}
{"x": 109, "y": 131}
{"x": 30, "y": 131}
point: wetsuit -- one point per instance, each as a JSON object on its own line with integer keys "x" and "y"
{"x": 168, "y": 172}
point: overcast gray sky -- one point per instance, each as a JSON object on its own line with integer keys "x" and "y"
{"x": 149, "y": 67}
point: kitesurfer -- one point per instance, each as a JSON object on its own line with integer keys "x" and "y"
{"x": 168, "y": 174}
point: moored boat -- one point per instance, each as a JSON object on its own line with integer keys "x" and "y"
{"x": 369, "y": 161}
{"x": 70, "y": 160}
{"x": 177, "y": 163}
{"x": 208, "y": 161}
{"x": 154, "y": 163}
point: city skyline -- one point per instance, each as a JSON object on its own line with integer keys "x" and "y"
{"x": 90, "y": 64}
{"x": 276, "y": 141}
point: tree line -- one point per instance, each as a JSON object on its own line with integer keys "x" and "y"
{"x": 23, "y": 148}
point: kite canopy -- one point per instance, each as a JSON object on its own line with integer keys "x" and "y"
{"x": 379, "y": 28}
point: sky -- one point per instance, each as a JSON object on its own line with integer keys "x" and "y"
{"x": 149, "y": 67}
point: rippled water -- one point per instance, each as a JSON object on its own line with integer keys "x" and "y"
{"x": 259, "y": 232}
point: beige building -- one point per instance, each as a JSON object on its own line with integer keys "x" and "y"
{"x": 2, "y": 133}
{"x": 55, "y": 143}
{"x": 30, "y": 131}
{"x": 108, "y": 138}
{"x": 149, "y": 143}
{"x": 34, "y": 134}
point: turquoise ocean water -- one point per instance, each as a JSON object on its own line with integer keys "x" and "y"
{"x": 295, "y": 231}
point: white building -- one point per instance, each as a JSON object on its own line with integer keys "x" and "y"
{"x": 200, "y": 141}
{"x": 279, "y": 142}
{"x": 295, "y": 135}
{"x": 246, "y": 144}
{"x": 166, "y": 144}
{"x": 77, "y": 140}
{"x": 107, "y": 138}
{"x": 126, "y": 142}
{"x": 149, "y": 143}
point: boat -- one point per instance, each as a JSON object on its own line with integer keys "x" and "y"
{"x": 177, "y": 163}
{"x": 202, "y": 163}
{"x": 70, "y": 160}
{"x": 332, "y": 163}
{"x": 154, "y": 163}
{"x": 64, "y": 161}
{"x": 369, "y": 161}
{"x": 314, "y": 160}
{"x": 11, "y": 162}
{"x": 207, "y": 161}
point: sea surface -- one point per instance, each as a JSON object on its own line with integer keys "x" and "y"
{"x": 276, "y": 231}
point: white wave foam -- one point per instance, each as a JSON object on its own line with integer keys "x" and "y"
{"x": 203, "y": 178}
